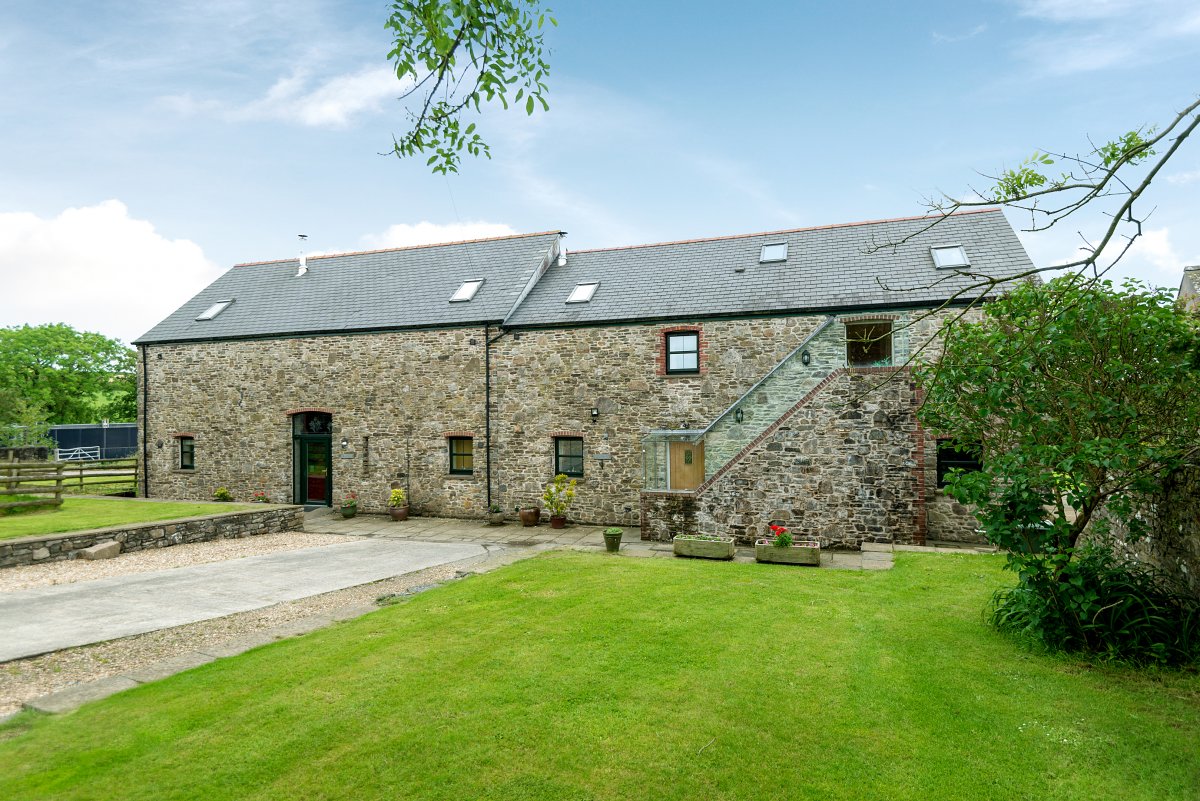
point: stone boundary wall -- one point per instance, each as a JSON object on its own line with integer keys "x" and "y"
{"x": 160, "y": 534}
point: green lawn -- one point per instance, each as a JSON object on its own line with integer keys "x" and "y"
{"x": 77, "y": 514}
{"x": 580, "y": 676}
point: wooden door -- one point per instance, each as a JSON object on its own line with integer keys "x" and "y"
{"x": 687, "y": 465}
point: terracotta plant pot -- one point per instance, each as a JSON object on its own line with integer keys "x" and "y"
{"x": 398, "y": 512}
{"x": 558, "y": 521}
{"x": 530, "y": 516}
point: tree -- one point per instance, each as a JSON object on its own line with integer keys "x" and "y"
{"x": 460, "y": 54}
{"x": 71, "y": 376}
{"x": 1077, "y": 397}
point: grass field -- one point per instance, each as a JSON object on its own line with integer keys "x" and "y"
{"x": 575, "y": 676}
{"x": 78, "y": 514}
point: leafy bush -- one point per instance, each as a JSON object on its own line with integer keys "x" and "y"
{"x": 1097, "y": 602}
{"x": 222, "y": 494}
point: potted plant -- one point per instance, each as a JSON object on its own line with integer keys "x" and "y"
{"x": 349, "y": 504}
{"x": 703, "y": 546}
{"x": 398, "y": 504}
{"x": 557, "y": 498}
{"x": 530, "y": 515}
{"x": 495, "y": 515}
{"x": 612, "y": 539}
{"x": 782, "y": 549}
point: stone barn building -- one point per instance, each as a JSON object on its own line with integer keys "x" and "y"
{"x": 712, "y": 385}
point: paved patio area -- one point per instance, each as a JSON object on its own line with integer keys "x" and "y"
{"x": 576, "y": 536}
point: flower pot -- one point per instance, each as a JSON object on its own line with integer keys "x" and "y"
{"x": 703, "y": 546}
{"x": 612, "y": 542}
{"x": 530, "y": 516}
{"x": 804, "y": 552}
{"x": 398, "y": 512}
{"x": 349, "y": 511}
{"x": 495, "y": 518}
{"x": 558, "y": 521}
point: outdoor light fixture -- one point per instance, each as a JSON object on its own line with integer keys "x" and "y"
{"x": 738, "y": 415}
{"x": 595, "y": 414}
{"x": 345, "y": 443}
{"x": 805, "y": 358}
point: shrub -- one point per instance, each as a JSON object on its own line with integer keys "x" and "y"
{"x": 222, "y": 494}
{"x": 1120, "y": 610}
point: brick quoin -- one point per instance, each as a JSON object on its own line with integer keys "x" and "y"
{"x": 701, "y": 347}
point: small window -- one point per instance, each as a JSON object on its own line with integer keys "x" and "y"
{"x": 215, "y": 309}
{"x": 776, "y": 251}
{"x": 568, "y": 456}
{"x": 467, "y": 290}
{"x": 953, "y": 256}
{"x": 187, "y": 453}
{"x": 462, "y": 456}
{"x": 582, "y": 293}
{"x": 683, "y": 352}
{"x": 869, "y": 344}
{"x": 952, "y": 456}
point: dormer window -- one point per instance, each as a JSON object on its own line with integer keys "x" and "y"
{"x": 467, "y": 290}
{"x": 950, "y": 256}
{"x": 582, "y": 293}
{"x": 215, "y": 309}
{"x": 776, "y": 251}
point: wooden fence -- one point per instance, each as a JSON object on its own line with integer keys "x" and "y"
{"x": 100, "y": 473}
{"x": 31, "y": 478}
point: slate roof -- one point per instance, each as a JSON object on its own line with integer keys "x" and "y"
{"x": 826, "y": 270}
{"x": 404, "y": 287}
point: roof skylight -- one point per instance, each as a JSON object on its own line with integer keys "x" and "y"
{"x": 776, "y": 251}
{"x": 582, "y": 293}
{"x": 215, "y": 309}
{"x": 950, "y": 256}
{"x": 467, "y": 290}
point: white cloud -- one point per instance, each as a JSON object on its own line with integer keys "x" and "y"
{"x": 948, "y": 38}
{"x": 1184, "y": 178}
{"x": 97, "y": 269}
{"x": 1089, "y": 35}
{"x": 427, "y": 233}
{"x": 297, "y": 98}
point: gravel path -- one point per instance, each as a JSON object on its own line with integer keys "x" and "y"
{"x": 25, "y": 679}
{"x": 22, "y": 578}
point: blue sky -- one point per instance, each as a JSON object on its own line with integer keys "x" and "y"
{"x": 148, "y": 146}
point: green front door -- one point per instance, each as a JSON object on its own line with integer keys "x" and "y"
{"x": 312, "y": 452}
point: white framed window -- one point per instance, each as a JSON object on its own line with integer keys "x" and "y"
{"x": 467, "y": 290}
{"x": 582, "y": 293}
{"x": 950, "y": 256}
{"x": 215, "y": 309}
{"x": 776, "y": 251}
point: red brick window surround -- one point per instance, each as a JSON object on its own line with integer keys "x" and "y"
{"x": 681, "y": 351}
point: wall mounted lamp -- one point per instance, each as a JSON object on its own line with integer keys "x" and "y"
{"x": 805, "y": 358}
{"x": 345, "y": 443}
{"x": 595, "y": 414}
{"x": 738, "y": 415}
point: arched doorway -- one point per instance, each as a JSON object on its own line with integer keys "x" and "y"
{"x": 312, "y": 458}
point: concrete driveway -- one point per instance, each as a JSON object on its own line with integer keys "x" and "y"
{"x": 48, "y": 619}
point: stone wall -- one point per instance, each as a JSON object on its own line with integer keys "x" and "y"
{"x": 270, "y": 519}
{"x": 393, "y": 398}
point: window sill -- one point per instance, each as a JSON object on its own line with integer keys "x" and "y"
{"x": 461, "y": 476}
{"x": 187, "y": 471}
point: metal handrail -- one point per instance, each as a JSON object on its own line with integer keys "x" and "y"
{"x": 825, "y": 324}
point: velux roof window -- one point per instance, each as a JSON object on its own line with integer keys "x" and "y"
{"x": 777, "y": 251}
{"x": 951, "y": 256}
{"x": 582, "y": 293}
{"x": 467, "y": 290}
{"x": 215, "y": 309}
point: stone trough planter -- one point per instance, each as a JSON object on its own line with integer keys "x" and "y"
{"x": 802, "y": 552}
{"x": 703, "y": 546}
